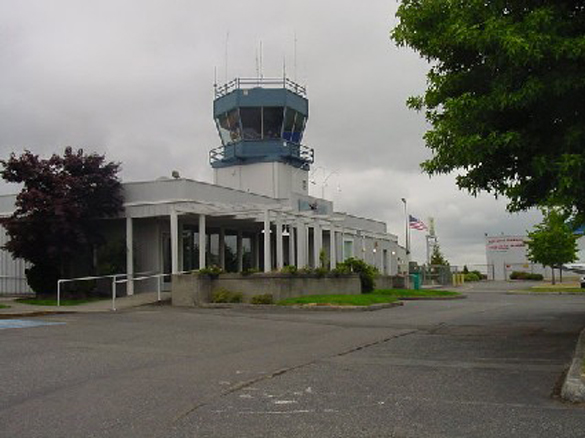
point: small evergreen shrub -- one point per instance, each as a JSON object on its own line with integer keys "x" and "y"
{"x": 519, "y": 275}
{"x": 223, "y": 295}
{"x": 367, "y": 273}
{"x": 289, "y": 269}
{"x": 262, "y": 299}
{"x": 212, "y": 271}
{"x": 471, "y": 276}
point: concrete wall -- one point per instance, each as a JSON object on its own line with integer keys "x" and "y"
{"x": 391, "y": 282}
{"x": 191, "y": 290}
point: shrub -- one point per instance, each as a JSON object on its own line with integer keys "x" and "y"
{"x": 212, "y": 272}
{"x": 306, "y": 270}
{"x": 367, "y": 272}
{"x": 321, "y": 272}
{"x": 222, "y": 295}
{"x": 519, "y": 275}
{"x": 289, "y": 269}
{"x": 262, "y": 299}
{"x": 471, "y": 276}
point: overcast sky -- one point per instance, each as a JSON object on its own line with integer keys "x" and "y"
{"x": 134, "y": 79}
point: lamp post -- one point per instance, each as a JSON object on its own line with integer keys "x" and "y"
{"x": 406, "y": 228}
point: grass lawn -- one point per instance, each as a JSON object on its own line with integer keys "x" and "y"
{"x": 4, "y": 306}
{"x": 340, "y": 300}
{"x": 53, "y": 302}
{"x": 421, "y": 293}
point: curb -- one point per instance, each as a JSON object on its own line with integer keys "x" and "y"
{"x": 573, "y": 388}
{"x": 545, "y": 293}
{"x": 295, "y": 307}
{"x": 447, "y": 298}
{"x": 33, "y": 314}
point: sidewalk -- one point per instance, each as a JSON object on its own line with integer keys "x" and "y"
{"x": 122, "y": 303}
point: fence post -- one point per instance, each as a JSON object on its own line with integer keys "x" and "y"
{"x": 158, "y": 286}
{"x": 58, "y": 293}
{"x": 114, "y": 293}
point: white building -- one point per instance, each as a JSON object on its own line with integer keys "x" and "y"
{"x": 260, "y": 189}
{"x": 506, "y": 254}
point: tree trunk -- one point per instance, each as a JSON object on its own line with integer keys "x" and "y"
{"x": 553, "y": 274}
{"x": 561, "y": 274}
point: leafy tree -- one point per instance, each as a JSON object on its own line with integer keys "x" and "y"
{"x": 437, "y": 257}
{"x": 55, "y": 214}
{"x": 552, "y": 243}
{"x": 505, "y": 96}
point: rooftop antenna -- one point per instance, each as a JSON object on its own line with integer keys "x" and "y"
{"x": 215, "y": 78}
{"x": 295, "y": 57}
{"x": 227, "y": 40}
{"x": 261, "y": 61}
{"x": 283, "y": 67}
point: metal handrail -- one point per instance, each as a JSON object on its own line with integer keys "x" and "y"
{"x": 300, "y": 151}
{"x": 246, "y": 83}
{"x": 94, "y": 277}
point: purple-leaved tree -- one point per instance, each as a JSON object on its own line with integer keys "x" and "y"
{"x": 56, "y": 210}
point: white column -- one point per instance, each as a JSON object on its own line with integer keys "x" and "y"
{"x": 129, "y": 256}
{"x": 174, "y": 242}
{"x": 267, "y": 253}
{"x": 202, "y": 241}
{"x": 332, "y": 248}
{"x": 222, "y": 248}
{"x": 291, "y": 245}
{"x": 279, "y": 244}
{"x": 240, "y": 251}
{"x": 317, "y": 243}
{"x": 301, "y": 245}
{"x": 257, "y": 251}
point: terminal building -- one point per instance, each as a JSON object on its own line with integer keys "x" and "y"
{"x": 257, "y": 213}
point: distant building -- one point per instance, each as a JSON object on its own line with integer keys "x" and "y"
{"x": 506, "y": 254}
{"x": 257, "y": 214}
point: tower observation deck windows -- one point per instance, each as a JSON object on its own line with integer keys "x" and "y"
{"x": 272, "y": 122}
{"x": 228, "y": 125}
{"x": 294, "y": 124}
{"x": 251, "y": 123}
{"x": 260, "y": 123}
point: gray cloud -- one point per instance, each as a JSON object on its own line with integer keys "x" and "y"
{"x": 133, "y": 79}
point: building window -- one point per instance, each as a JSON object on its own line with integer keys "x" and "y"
{"x": 251, "y": 123}
{"x": 272, "y": 122}
{"x": 347, "y": 249}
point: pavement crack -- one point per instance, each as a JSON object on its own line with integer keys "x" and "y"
{"x": 245, "y": 384}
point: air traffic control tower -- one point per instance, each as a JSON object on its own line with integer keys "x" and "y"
{"x": 261, "y": 123}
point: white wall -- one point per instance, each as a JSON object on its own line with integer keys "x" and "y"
{"x": 277, "y": 180}
{"x": 12, "y": 277}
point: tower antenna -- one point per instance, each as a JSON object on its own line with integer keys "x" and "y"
{"x": 261, "y": 60}
{"x": 295, "y": 57}
{"x": 227, "y": 40}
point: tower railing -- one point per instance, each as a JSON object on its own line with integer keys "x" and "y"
{"x": 247, "y": 83}
{"x": 238, "y": 151}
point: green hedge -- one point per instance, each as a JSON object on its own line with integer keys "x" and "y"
{"x": 518, "y": 275}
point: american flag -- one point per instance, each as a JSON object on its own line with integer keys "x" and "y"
{"x": 416, "y": 224}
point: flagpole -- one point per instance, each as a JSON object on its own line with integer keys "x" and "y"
{"x": 407, "y": 234}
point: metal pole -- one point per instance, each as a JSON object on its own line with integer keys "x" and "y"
{"x": 114, "y": 293}
{"x": 406, "y": 228}
{"x": 158, "y": 282}
{"x": 58, "y": 293}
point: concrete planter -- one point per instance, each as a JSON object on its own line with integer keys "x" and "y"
{"x": 192, "y": 290}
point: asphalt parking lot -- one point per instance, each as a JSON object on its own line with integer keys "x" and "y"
{"x": 486, "y": 366}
